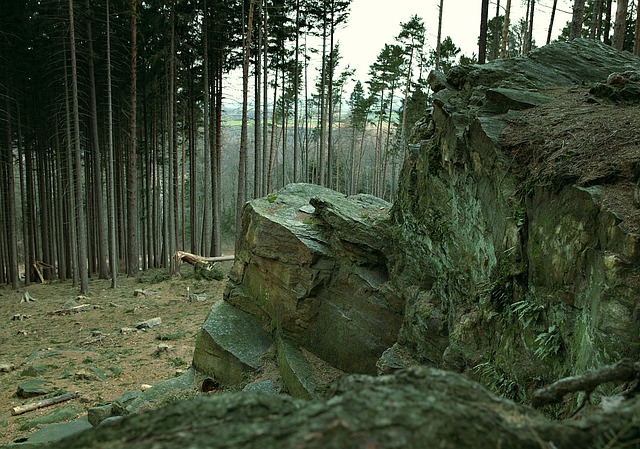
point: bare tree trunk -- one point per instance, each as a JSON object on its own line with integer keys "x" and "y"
{"x": 216, "y": 160}
{"x": 596, "y": 20}
{"x": 330, "y": 150}
{"x": 243, "y": 133}
{"x": 620, "y": 25}
{"x": 553, "y": 16}
{"x": 265, "y": 94}
{"x": 323, "y": 105}
{"x": 525, "y": 36}
{"x": 101, "y": 237}
{"x": 60, "y": 215}
{"x": 505, "y": 30}
{"x": 70, "y": 195}
{"x": 173, "y": 147}
{"x": 482, "y": 40}
{"x": 208, "y": 174}
{"x": 577, "y": 19}
{"x": 132, "y": 169}
{"x": 272, "y": 151}
{"x": 80, "y": 215}
{"x": 636, "y": 36}
{"x": 439, "y": 40}
{"x": 495, "y": 44}
{"x": 296, "y": 89}
{"x": 113, "y": 249}
{"x": 10, "y": 206}
{"x": 607, "y": 23}
{"x": 257, "y": 117}
{"x": 529, "y": 42}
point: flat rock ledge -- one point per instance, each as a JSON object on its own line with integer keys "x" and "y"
{"x": 414, "y": 408}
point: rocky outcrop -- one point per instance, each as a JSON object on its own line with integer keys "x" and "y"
{"x": 510, "y": 253}
{"x": 519, "y": 258}
{"x": 311, "y": 270}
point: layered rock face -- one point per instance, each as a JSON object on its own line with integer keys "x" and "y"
{"x": 519, "y": 258}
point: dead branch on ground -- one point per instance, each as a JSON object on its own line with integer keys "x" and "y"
{"x": 623, "y": 371}
{"x": 70, "y": 310}
{"x": 192, "y": 259}
{"x": 20, "y": 409}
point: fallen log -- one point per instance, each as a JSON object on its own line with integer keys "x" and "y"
{"x": 192, "y": 259}
{"x": 20, "y": 409}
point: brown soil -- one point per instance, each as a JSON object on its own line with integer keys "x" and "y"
{"x": 84, "y": 346}
{"x": 573, "y": 140}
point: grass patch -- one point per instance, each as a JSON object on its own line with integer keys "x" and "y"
{"x": 171, "y": 337}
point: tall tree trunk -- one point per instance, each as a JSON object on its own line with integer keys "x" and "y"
{"x": 525, "y": 37}
{"x": 529, "y": 42}
{"x": 596, "y": 20}
{"x": 439, "y": 39}
{"x": 577, "y": 19}
{"x": 243, "y": 133}
{"x": 101, "y": 236}
{"x": 10, "y": 205}
{"x": 80, "y": 215}
{"x": 113, "y": 250}
{"x": 208, "y": 174}
{"x": 636, "y": 36}
{"x": 607, "y": 23}
{"x": 330, "y": 155}
{"x": 482, "y": 41}
{"x": 216, "y": 162}
{"x": 173, "y": 147}
{"x": 553, "y": 16}
{"x": 133, "y": 263}
{"x": 272, "y": 150}
{"x": 505, "y": 30}
{"x": 60, "y": 214}
{"x": 323, "y": 105}
{"x": 387, "y": 144}
{"x": 620, "y": 25}
{"x": 257, "y": 117}
{"x": 70, "y": 192}
{"x": 296, "y": 91}
{"x": 265, "y": 94}
{"x": 495, "y": 42}
{"x": 377, "y": 158}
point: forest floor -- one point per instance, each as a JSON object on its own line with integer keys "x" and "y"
{"x": 94, "y": 350}
{"x": 576, "y": 139}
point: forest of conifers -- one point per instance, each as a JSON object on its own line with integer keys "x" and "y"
{"x": 119, "y": 144}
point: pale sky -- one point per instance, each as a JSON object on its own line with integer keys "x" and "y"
{"x": 372, "y": 23}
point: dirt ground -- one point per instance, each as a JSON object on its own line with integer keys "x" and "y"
{"x": 90, "y": 350}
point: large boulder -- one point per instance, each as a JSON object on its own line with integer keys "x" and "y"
{"x": 311, "y": 267}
